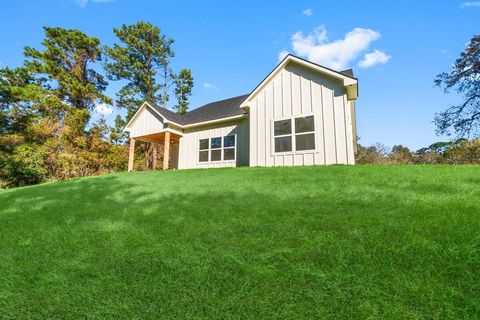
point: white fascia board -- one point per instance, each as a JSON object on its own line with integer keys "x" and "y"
{"x": 198, "y": 124}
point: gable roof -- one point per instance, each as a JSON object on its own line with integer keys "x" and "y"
{"x": 234, "y": 107}
{"x": 349, "y": 81}
{"x": 217, "y": 110}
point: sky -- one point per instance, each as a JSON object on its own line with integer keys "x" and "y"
{"x": 396, "y": 48}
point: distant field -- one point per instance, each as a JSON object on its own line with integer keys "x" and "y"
{"x": 307, "y": 242}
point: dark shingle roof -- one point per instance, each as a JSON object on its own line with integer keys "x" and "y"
{"x": 348, "y": 72}
{"x": 211, "y": 111}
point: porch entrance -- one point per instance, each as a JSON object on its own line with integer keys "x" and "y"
{"x": 161, "y": 151}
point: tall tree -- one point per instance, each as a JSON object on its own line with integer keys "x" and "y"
{"x": 46, "y": 105}
{"x": 463, "y": 119}
{"x": 183, "y": 90}
{"x": 142, "y": 53}
{"x": 65, "y": 64}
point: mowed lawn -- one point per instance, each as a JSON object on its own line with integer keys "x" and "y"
{"x": 307, "y": 242}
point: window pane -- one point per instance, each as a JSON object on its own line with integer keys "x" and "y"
{"x": 216, "y": 143}
{"x": 203, "y": 156}
{"x": 305, "y": 141}
{"x": 229, "y": 154}
{"x": 304, "y": 124}
{"x": 229, "y": 141}
{"x": 203, "y": 144}
{"x": 283, "y": 144}
{"x": 282, "y": 127}
{"x": 215, "y": 155}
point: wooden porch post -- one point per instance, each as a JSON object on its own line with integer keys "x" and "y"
{"x": 131, "y": 154}
{"x": 166, "y": 150}
{"x": 154, "y": 155}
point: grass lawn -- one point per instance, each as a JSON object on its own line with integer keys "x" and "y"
{"x": 306, "y": 242}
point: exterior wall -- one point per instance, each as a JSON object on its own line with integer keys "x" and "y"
{"x": 297, "y": 91}
{"x": 189, "y": 144}
{"x": 147, "y": 122}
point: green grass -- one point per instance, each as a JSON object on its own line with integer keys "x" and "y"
{"x": 308, "y": 242}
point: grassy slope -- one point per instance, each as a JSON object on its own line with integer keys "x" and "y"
{"x": 363, "y": 241}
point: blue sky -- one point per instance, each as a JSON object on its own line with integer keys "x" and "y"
{"x": 395, "y": 47}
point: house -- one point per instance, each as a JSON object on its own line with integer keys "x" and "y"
{"x": 300, "y": 114}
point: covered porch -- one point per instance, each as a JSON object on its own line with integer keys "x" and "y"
{"x": 161, "y": 153}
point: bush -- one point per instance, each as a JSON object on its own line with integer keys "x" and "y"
{"x": 23, "y": 167}
{"x": 465, "y": 152}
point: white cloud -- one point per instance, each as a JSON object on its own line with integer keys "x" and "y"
{"x": 308, "y": 12}
{"x": 210, "y": 86}
{"x": 282, "y": 55}
{"x": 470, "y": 4}
{"x": 83, "y": 3}
{"x": 337, "y": 54}
{"x": 373, "y": 58}
{"x": 103, "y": 109}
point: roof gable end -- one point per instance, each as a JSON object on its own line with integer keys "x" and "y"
{"x": 349, "y": 82}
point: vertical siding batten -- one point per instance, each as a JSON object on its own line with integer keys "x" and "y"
{"x": 334, "y": 127}
{"x": 345, "y": 126}
{"x": 261, "y": 128}
{"x": 342, "y": 156}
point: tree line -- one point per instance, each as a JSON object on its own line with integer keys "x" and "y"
{"x": 462, "y": 121}
{"x": 46, "y": 104}
{"x": 457, "y": 152}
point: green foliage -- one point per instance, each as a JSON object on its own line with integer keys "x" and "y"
{"x": 65, "y": 64}
{"x": 183, "y": 90}
{"x": 142, "y": 52}
{"x": 462, "y": 119}
{"x": 464, "y": 152}
{"x": 45, "y": 108}
{"x": 325, "y": 242}
{"x": 117, "y": 135}
{"x": 26, "y": 165}
{"x": 401, "y": 154}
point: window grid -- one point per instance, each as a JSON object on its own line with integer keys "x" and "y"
{"x": 222, "y": 149}
{"x": 293, "y": 135}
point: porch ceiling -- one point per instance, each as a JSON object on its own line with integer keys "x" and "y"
{"x": 159, "y": 137}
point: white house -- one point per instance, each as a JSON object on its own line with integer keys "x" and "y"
{"x": 300, "y": 114}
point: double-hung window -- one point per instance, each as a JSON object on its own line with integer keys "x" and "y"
{"x": 217, "y": 149}
{"x": 295, "y": 134}
{"x": 229, "y": 144}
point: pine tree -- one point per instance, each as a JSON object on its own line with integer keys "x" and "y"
{"x": 142, "y": 52}
{"x": 183, "y": 90}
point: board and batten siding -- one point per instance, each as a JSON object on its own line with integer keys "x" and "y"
{"x": 189, "y": 144}
{"x": 296, "y": 91}
{"x": 146, "y": 122}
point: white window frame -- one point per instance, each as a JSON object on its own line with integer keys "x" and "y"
{"x": 210, "y": 149}
{"x": 222, "y": 149}
{"x": 293, "y": 135}
{"x": 203, "y": 150}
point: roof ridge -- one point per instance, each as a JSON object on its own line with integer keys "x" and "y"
{"x": 223, "y": 100}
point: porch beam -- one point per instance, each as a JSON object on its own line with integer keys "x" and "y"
{"x": 166, "y": 150}
{"x": 131, "y": 154}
